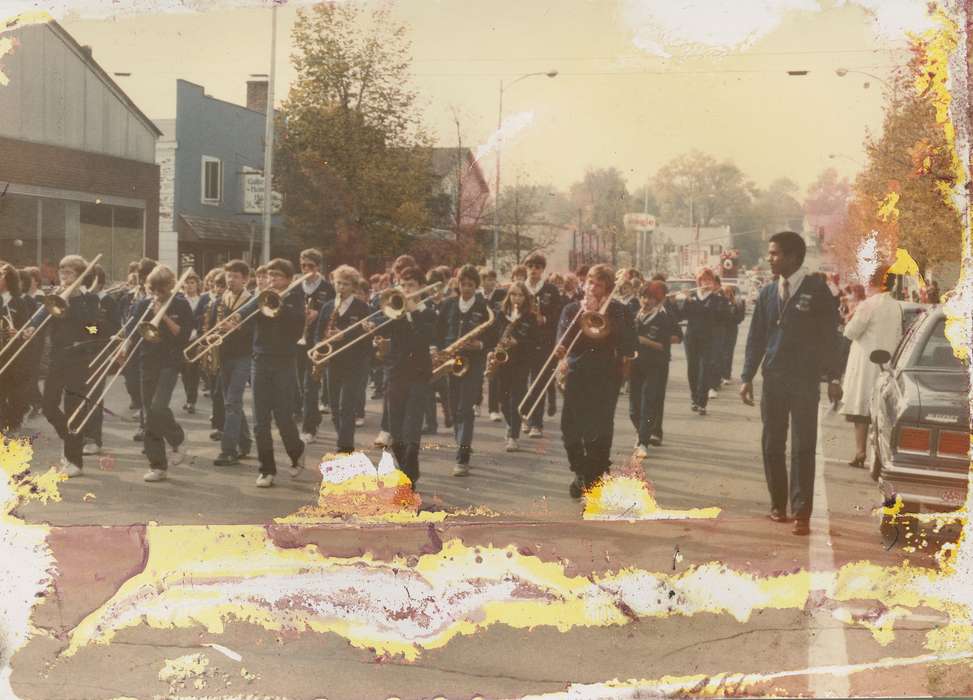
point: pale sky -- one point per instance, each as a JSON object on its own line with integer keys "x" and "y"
{"x": 616, "y": 101}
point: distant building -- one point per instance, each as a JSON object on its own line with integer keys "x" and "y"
{"x": 681, "y": 250}
{"x": 460, "y": 191}
{"x": 211, "y": 159}
{"x": 77, "y": 158}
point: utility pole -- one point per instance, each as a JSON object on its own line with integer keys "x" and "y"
{"x": 269, "y": 141}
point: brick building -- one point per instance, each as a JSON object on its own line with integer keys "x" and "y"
{"x": 77, "y": 157}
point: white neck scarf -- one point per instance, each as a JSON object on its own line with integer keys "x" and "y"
{"x": 465, "y": 306}
{"x": 345, "y": 304}
{"x": 534, "y": 289}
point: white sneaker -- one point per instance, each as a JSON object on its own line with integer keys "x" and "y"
{"x": 476, "y": 411}
{"x": 70, "y": 469}
{"x": 461, "y": 470}
{"x": 641, "y": 452}
{"x": 90, "y": 449}
{"x": 496, "y": 417}
{"x": 265, "y": 481}
{"x": 155, "y": 475}
{"x": 177, "y": 456}
{"x": 512, "y": 445}
{"x": 307, "y": 438}
{"x": 296, "y": 468}
{"x": 535, "y": 433}
{"x": 383, "y": 439}
{"x": 713, "y": 394}
{"x": 359, "y": 422}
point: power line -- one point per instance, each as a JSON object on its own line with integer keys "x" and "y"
{"x": 710, "y": 55}
{"x": 638, "y": 72}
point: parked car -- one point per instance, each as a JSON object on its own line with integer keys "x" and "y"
{"x": 919, "y": 439}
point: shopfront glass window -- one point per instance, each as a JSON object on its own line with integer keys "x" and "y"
{"x": 58, "y": 218}
{"x": 18, "y": 230}
{"x": 115, "y": 232}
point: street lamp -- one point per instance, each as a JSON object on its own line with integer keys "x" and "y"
{"x": 832, "y": 156}
{"x": 496, "y": 194}
{"x": 842, "y": 72}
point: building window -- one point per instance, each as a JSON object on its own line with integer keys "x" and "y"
{"x": 212, "y": 180}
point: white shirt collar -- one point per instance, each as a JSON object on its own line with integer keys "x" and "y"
{"x": 345, "y": 304}
{"x": 793, "y": 282}
{"x": 465, "y": 306}
{"x": 514, "y": 314}
{"x": 310, "y": 286}
{"x": 703, "y": 294}
{"x": 101, "y": 294}
{"x": 532, "y": 289}
{"x": 6, "y": 296}
{"x": 645, "y": 317}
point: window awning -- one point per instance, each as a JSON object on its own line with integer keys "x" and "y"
{"x": 201, "y": 229}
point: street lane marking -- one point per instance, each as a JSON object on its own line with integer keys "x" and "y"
{"x": 828, "y": 646}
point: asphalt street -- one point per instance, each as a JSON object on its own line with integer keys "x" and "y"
{"x": 704, "y": 461}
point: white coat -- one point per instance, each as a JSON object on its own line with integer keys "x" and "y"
{"x": 875, "y": 325}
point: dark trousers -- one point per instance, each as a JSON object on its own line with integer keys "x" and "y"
{"x": 274, "y": 381}
{"x": 386, "y": 420}
{"x": 190, "y": 381}
{"x": 660, "y": 407}
{"x": 363, "y": 390}
{"x": 309, "y": 406}
{"x": 344, "y": 390}
{"x": 729, "y": 347}
{"x": 699, "y": 363}
{"x": 588, "y": 420}
{"x": 216, "y": 393}
{"x": 493, "y": 395}
{"x": 234, "y": 373}
{"x": 160, "y": 424}
{"x": 34, "y": 397}
{"x": 93, "y": 428}
{"x": 65, "y": 383}
{"x": 782, "y": 401}
{"x": 462, "y": 397}
{"x": 511, "y": 383}
{"x": 133, "y": 382}
{"x": 646, "y": 393}
{"x": 406, "y": 401}
{"x": 439, "y": 396}
{"x": 536, "y": 419}
{"x": 15, "y": 396}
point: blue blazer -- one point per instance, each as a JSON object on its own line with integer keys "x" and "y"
{"x": 797, "y": 341}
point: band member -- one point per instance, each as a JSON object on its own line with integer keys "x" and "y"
{"x": 405, "y": 344}
{"x": 518, "y": 339}
{"x": 344, "y": 373}
{"x": 402, "y": 263}
{"x": 71, "y": 351}
{"x": 160, "y": 364}
{"x": 439, "y": 393}
{"x": 518, "y": 273}
{"x": 235, "y": 354}
{"x": 30, "y": 285}
{"x": 548, "y": 303}
{"x": 738, "y": 312}
{"x": 495, "y": 296}
{"x": 571, "y": 289}
{"x": 262, "y": 280}
{"x": 704, "y": 310}
{"x": 109, "y": 321}
{"x": 190, "y": 370}
{"x": 274, "y": 376}
{"x": 132, "y": 376}
{"x": 364, "y": 293}
{"x": 654, "y": 331}
{"x": 314, "y": 293}
{"x": 466, "y": 313}
{"x": 211, "y": 363}
{"x": 592, "y": 379}
{"x": 15, "y": 310}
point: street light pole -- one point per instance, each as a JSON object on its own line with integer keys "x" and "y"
{"x": 496, "y": 185}
{"x": 269, "y": 141}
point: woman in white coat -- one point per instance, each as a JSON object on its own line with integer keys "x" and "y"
{"x": 876, "y": 324}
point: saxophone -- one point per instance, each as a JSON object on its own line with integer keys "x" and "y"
{"x": 450, "y": 359}
{"x": 210, "y": 364}
{"x": 500, "y": 355}
{"x": 329, "y": 330}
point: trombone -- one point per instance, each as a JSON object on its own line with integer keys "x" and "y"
{"x": 269, "y": 303}
{"x": 150, "y": 330}
{"x": 54, "y": 304}
{"x": 394, "y": 305}
{"x": 456, "y": 364}
{"x": 593, "y": 324}
{"x": 105, "y": 365}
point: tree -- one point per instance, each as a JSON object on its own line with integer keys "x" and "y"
{"x": 604, "y": 198}
{"x": 352, "y": 157}
{"x": 899, "y": 193}
{"x": 695, "y": 188}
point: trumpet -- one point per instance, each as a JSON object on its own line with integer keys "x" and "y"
{"x": 592, "y": 324}
{"x": 395, "y": 303}
{"x": 269, "y": 303}
{"x": 150, "y": 330}
{"x": 54, "y": 305}
{"x": 450, "y": 359}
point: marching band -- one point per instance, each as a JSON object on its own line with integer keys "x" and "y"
{"x": 427, "y": 341}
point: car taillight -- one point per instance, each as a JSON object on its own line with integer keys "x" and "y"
{"x": 952, "y": 442}
{"x": 914, "y": 439}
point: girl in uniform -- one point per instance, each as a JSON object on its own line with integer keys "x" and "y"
{"x": 518, "y": 334}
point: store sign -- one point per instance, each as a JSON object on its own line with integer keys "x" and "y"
{"x": 640, "y": 222}
{"x": 253, "y": 194}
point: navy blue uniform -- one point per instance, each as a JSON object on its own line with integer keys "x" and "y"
{"x": 738, "y": 311}
{"x": 440, "y": 387}
{"x": 511, "y": 377}
{"x": 321, "y": 294}
{"x": 706, "y": 319}
{"x": 109, "y": 321}
{"x": 274, "y": 380}
{"x": 235, "y": 354}
{"x": 592, "y": 383}
{"x": 795, "y": 344}
{"x": 346, "y": 372}
{"x": 549, "y": 304}
{"x": 160, "y": 365}
{"x": 463, "y": 390}
{"x": 131, "y": 375}
{"x": 73, "y": 345}
{"x": 15, "y": 397}
{"x": 650, "y": 373}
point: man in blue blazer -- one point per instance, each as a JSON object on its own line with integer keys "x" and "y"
{"x": 794, "y": 335}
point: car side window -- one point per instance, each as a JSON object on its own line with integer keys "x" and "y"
{"x": 937, "y": 351}
{"x": 907, "y": 345}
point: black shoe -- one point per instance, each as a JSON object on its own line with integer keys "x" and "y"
{"x": 695, "y": 408}
{"x": 226, "y": 460}
{"x": 216, "y": 435}
{"x": 551, "y": 409}
{"x": 576, "y": 488}
{"x": 245, "y": 451}
{"x": 139, "y": 436}
{"x": 802, "y": 526}
{"x": 190, "y": 408}
{"x": 778, "y": 516}
{"x": 655, "y": 441}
